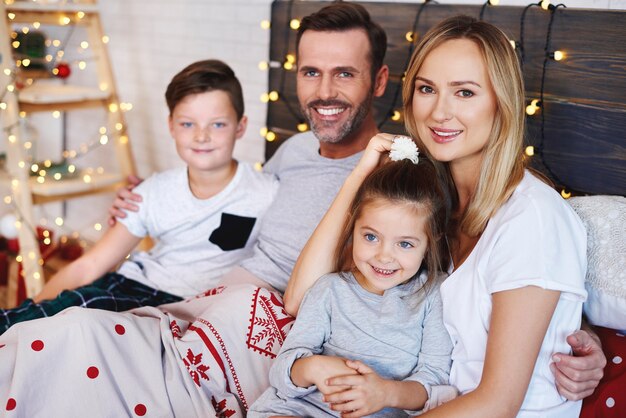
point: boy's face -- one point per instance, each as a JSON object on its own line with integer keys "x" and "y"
{"x": 205, "y": 128}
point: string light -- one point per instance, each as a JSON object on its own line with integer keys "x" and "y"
{"x": 294, "y": 24}
{"x": 270, "y": 136}
{"x": 265, "y": 24}
{"x": 409, "y": 36}
{"x": 565, "y": 194}
{"x": 273, "y": 95}
{"x": 303, "y": 127}
{"x": 557, "y": 55}
{"x": 533, "y": 107}
{"x": 529, "y": 151}
{"x": 263, "y": 65}
{"x": 396, "y": 115}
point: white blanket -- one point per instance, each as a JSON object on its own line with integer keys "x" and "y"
{"x": 205, "y": 357}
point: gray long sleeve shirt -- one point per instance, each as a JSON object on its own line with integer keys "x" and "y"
{"x": 399, "y": 334}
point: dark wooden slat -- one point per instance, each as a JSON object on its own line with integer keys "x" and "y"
{"x": 584, "y": 95}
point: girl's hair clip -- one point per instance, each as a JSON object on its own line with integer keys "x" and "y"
{"x": 403, "y": 148}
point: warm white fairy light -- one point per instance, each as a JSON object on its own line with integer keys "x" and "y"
{"x": 84, "y": 44}
{"x": 265, "y": 24}
{"x": 36, "y": 25}
{"x": 58, "y": 221}
{"x": 82, "y": 65}
{"x": 97, "y": 227}
{"x": 56, "y": 114}
{"x": 15, "y": 44}
{"x": 104, "y": 139}
{"x": 105, "y": 39}
{"x": 294, "y": 24}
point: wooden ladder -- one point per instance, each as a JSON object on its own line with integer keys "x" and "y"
{"x": 28, "y": 190}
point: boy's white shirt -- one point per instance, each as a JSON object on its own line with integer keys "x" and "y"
{"x": 184, "y": 261}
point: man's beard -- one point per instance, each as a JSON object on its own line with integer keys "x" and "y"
{"x": 349, "y": 127}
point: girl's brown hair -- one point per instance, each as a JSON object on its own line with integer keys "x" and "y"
{"x": 403, "y": 182}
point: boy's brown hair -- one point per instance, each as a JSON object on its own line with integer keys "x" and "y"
{"x": 204, "y": 76}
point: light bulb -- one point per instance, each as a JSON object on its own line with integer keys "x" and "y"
{"x": 530, "y": 150}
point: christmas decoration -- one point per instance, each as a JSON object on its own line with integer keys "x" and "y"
{"x": 62, "y": 70}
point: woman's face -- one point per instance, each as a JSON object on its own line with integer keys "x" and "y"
{"x": 454, "y": 104}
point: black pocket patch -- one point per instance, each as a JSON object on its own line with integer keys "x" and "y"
{"x": 233, "y": 232}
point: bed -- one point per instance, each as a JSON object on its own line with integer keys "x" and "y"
{"x": 578, "y": 139}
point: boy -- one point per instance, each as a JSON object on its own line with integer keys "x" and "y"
{"x": 203, "y": 216}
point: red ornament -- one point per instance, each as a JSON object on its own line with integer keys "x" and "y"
{"x": 63, "y": 70}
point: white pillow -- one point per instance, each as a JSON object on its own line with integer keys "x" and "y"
{"x": 605, "y": 220}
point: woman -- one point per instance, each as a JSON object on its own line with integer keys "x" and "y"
{"x": 508, "y": 301}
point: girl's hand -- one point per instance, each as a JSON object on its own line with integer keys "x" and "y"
{"x": 317, "y": 370}
{"x": 375, "y": 152}
{"x": 366, "y": 392}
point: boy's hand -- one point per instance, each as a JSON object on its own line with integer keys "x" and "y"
{"x": 317, "y": 370}
{"x": 366, "y": 393}
{"x": 578, "y": 375}
{"x": 123, "y": 200}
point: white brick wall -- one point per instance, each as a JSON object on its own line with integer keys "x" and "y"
{"x": 150, "y": 40}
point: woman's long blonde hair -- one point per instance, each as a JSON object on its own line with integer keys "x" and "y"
{"x": 502, "y": 166}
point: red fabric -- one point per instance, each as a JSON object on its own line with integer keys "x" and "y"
{"x": 609, "y": 399}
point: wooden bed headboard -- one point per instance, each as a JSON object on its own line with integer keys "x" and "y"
{"x": 578, "y": 133}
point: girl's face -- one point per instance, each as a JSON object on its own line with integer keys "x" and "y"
{"x": 454, "y": 104}
{"x": 389, "y": 242}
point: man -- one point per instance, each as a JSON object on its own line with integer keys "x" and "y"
{"x": 340, "y": 72}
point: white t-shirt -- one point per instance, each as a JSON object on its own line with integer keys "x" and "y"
{"x": 536, "y": 239}
{"x": 197, "y": 240}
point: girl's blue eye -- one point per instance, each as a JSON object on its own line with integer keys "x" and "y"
{"x": 405, "y": 245}
{"x": 466, "y": 93}
{"x": 219, "y": 124}
{"x": 370, "y": 237}
{"x": 186, "y": 124}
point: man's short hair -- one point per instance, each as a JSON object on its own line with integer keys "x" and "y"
{"x": 340, "y": 17}
{"x": 204, "y": 76}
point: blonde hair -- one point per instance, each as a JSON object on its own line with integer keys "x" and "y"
{"x": 502, "y": 166}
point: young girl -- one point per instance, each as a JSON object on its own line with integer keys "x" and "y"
{"x": 518, "y": 250}
{"x": 378, "y": 319}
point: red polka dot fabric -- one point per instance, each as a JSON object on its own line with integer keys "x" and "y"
{"x": 609, "y": 399}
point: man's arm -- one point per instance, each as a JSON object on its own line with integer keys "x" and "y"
{"x": 123, "y": 200}
{"x": 578, "y": 375}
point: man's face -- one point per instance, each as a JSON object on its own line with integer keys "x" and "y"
{"x": 334, "y": 82}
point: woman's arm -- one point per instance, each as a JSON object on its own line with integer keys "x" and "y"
{"x": 316, "y": 258}
{"x": 519, "y": 322}
{"x": 114, "y": 245}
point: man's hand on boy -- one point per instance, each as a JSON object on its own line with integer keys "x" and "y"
{"x": 123, "y": 200}
{"x": 578, "y": 375}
